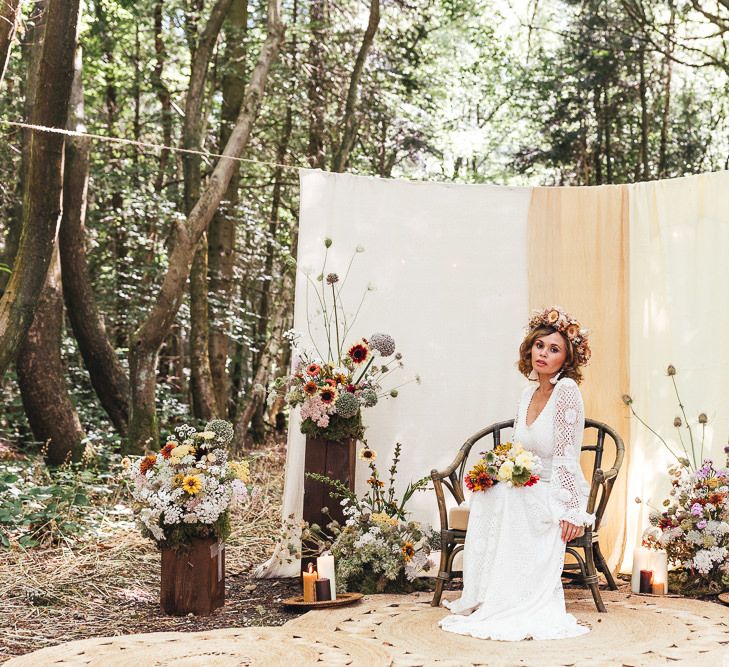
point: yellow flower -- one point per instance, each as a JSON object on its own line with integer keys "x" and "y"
{"x": 181, "y": 451}
{"x": 553, "y": 316}
{"x": 177, "y": 480}
{"x": 712, "y": 482}
{"x": 408, "y": 551}
{"x": 241, "y": 470}
{"x": 367, "y": 454}
{"x": 381, "y": 517}
{"x": 191, "y": 484}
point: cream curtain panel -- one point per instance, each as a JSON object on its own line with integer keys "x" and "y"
{"x": 679, "y": 314}
{"x": 456, "y": 270}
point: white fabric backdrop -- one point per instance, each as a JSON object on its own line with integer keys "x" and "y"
{"x": 448, "y": 263}
{"x": 679, "y": 235}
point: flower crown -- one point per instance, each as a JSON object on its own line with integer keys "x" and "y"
{"x": 568, "y": 326}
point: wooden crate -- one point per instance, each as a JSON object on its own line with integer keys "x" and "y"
{"x": 193, "y": 580}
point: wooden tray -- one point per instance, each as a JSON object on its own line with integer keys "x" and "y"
{"x": 342, "y": 600}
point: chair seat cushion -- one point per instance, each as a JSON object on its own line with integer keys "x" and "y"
{"x": 458, "y": 517}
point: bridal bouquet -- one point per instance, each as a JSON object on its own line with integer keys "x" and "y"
{"x": 187, "y": 489}
{"x": 509, "y": 463}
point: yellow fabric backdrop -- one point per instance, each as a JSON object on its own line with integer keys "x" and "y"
{"x": 578, "y": 259}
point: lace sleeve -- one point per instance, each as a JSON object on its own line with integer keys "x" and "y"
{"x": 568, "y": 481}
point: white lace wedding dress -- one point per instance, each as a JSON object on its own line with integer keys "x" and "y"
{"x": 513, "y": 556}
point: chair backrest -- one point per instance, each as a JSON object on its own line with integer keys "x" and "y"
{"x": 602, "y": 480}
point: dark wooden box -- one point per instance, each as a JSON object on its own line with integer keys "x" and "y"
{"x": 193, "y": 579}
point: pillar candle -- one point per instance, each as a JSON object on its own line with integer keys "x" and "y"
{"x": 641, "y": 561}
{"x": 646, "y": 580}
{"x": 323, "y": 590}
{"x": 659, "y": 565}
{"x": 310, "y": 584}
{"x": 325, "y": 566}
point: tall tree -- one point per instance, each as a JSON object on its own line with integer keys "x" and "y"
{"x": 222, "y": 235}
{"x": 201, "y": 378}
{"x": 107, "y": 375}
{"x": 146, "y": 341}
{"x": 349, "y": 121}
{"x": 42, "y": 196}
{"x": 9, "y": 16}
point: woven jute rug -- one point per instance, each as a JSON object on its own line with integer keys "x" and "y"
{"x": 402, "y": 630}
{"x": 637, "y": 630}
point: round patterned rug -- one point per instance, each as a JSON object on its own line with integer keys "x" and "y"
{"x": 402, "y": 630}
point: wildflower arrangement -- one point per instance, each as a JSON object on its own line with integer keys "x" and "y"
{"x": 377, "y": 549}
{"x": 188, "y": 488}
{"x": 693, "y": 526}
{"x": 509, "y": 463}
{"x": 332, "y": 385}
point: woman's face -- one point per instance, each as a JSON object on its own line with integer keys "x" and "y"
{"x": 549, "y": 354}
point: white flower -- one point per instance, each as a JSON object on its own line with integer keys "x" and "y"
{"x": 505, "y": 471}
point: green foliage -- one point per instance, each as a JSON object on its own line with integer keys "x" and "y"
{"x": 39, "y": 507}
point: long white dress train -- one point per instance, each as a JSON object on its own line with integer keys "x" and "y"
{"x": 514, "y": 553}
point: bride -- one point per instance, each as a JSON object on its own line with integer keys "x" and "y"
{"x": 515, "y": 544}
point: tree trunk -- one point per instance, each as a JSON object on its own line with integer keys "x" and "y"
{"x": 201, "y": 380}
{"x": 642, "y": 88}
{"x": 221, "y": 239}
{"x": 41, "y": 377}
{"x": 666, "y": 111}
{"x": 350, "y": 122}
{"x": 107, "y": 375}
{"x": 203, "y": 397}
{"x": 32, "y": 50}
{"x": 163, "y": 94}
{"x": 147, "y": 339}
{"x": 42, "y": 196}
{"x": 317, "y": 84}
{"x": 257, "y": 393}
{"x": 9, "y": 15}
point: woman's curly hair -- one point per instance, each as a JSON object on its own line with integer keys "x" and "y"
{"x": 571, "y": 367}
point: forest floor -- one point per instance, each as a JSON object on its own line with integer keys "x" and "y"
{"x": 108, "y": 583}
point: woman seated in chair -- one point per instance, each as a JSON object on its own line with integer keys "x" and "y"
{"x": 516, "y": 539}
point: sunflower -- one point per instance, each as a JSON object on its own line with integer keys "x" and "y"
{"x": 408, "y": 551}
{"x": 359, "y": 352}
{"x": 367, "y": 454}
{"x": 310, "y": 388}
{"x": 177, "y": 480}
{"x": 313, "y": 370}
{"x": 191, "y": 484}
{"x": 328, "y": 394}
{"x": 147, "y": 463}
{"x": 166, "y": 451}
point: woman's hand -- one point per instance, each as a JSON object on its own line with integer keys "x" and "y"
{"x": 570, "y": 531}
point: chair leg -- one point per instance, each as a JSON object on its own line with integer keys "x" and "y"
{"x": 592, "y": 580}
{"x": 442, "y": 576}
{"x": 603, "y": 567}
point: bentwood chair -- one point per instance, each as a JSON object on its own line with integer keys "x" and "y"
{"x": 585, "y": 549}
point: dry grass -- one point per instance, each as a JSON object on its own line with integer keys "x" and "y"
{"x": 110, "y": 586}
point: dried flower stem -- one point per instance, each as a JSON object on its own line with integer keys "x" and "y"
{"x": 686, "y": 421}
{"x": 336, "y": 326}
{"x": 658, "y": 435}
